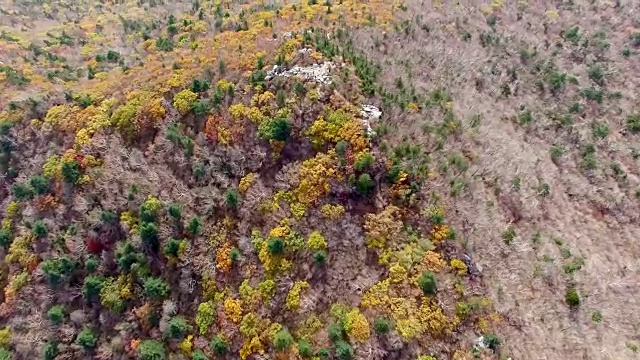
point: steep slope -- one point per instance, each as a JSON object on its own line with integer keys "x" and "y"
{"x": 540, "y": 158}
{"x": 217, "y": 181}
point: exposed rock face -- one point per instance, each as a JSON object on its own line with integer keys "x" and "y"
{"x": 319, "y": 73}
{"x": 370, "y": 113}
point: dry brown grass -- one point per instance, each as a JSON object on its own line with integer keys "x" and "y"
{"x": 591, "y": 215}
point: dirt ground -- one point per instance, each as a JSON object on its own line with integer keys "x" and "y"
{"x": 587, "y": 216}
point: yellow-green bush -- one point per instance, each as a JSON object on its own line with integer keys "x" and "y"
{"x": 5, "y": 337}
{"x": 316, "y": 241}
{"x": 186, "y": 346}
{"x": 397, "y": 273}
{"x": 382, "y": 227}
{"x": 183, "y": 101}
{"x": 143, "y": 110}
{"x": 333, "y": 212}
{"x": 233, "y": 309}
{"x": 315, "y": 174}
{"x": 459, "y": 266}
{"x": 246, "y": 182}
{"x": 16, "y": 283}
{"x": 377, "y": 295}
{"x": 114, "y": 292}
{"x": 20, "y": 251}
{"x": 12, "y": 209}
{"x": 267, "y": 289}
{"x": 357, "y": 326}
{"x": 293, "y": 297}
{"x": 205, "y": 317}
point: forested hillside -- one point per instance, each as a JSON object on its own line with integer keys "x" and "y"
{"x": 318, "y": 180}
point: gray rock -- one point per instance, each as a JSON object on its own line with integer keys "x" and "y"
{"x": 369, "y": 114}
{"x": 316, "y": 73}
